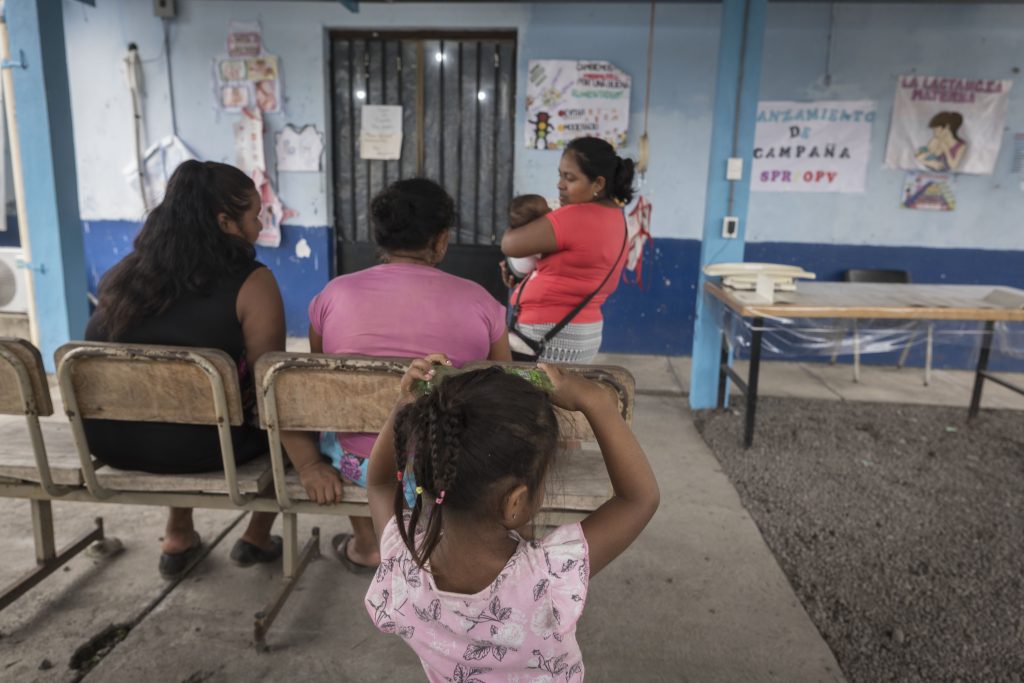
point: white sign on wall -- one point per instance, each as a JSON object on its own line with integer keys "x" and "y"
{"x": 812, "y": 146}
{"x": 380, "y": 136}
{"x": 567, "y": 99}
{"x": 947, "y": 124}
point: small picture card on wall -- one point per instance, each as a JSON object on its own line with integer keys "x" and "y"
{"x": 928, "y": 192}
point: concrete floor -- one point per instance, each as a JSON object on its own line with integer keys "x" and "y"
{"x": 698, "y": 597}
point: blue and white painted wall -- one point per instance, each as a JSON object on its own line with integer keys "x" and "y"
{"x": 872, "y": 45}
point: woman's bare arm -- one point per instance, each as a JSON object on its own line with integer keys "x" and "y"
{"x": 536, "y": 237}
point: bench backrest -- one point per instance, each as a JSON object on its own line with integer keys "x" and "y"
{"x": 319, "y": 392}
{"x": 149, "y": 383}
{"x": 22, "y": 376}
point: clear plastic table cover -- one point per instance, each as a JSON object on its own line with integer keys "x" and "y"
{"x": 845, "y": 336}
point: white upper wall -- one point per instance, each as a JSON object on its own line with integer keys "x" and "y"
{"x": 872, "y": 45}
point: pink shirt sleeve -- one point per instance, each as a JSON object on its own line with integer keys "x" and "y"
{"x": 318, "y": 312}
{"x": 495, "y": 313}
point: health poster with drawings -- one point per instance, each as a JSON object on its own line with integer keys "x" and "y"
{"x": 812, "y": 146}
{"x": 247, "y": 76}
{"x": 567, "y": 99}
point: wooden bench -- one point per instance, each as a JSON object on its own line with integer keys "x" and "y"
{"x": 318, "y": 392}
{"x": 303, "y": 392}
{"x": 37, "y": 457}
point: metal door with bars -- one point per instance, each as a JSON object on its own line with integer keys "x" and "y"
{"x": 457, "y": 93}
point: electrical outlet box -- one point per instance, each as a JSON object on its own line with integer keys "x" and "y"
{"x": 164, "y": 8}
{"x": 730, "y": 227}
{"x": 734, "y": 169}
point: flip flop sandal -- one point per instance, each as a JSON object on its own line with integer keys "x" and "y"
{"x": 173, "y": 566}
{"x": 340, "y": 545}
{"x": 245, "y": 554}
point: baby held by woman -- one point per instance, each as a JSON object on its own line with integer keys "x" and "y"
{"x": 522, "y": 210}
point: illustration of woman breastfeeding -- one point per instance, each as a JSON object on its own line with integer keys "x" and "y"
{"x": 945, "y": 151}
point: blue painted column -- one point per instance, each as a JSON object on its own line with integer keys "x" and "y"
{"x": 732, "y": 135}
{"x": 36, "y": 32}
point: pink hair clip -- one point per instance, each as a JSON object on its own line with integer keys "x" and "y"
{"x": 440, "y": 498}
{"x": 398, "y": 475}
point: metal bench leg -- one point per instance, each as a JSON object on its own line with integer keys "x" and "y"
{"x": 42, "y": 530}
{"x": 294, "y": 565}
{"x": 979, "y": 375}
{"x": 47, "y": 559}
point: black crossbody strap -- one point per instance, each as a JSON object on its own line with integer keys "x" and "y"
{"x": 581, "y": 305}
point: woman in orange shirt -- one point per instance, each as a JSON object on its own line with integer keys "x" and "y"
{"x": 583, "y": 250}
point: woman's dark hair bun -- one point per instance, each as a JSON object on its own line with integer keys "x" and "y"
{"x": 622, "y": 185}
{"x": 410, "y": 214}
{"x": 597, "y": 159}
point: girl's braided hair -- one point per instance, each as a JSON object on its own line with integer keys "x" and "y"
{"x": 474, "y": 432}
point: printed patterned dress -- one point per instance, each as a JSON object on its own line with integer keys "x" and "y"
{"x": 521, "y": 628}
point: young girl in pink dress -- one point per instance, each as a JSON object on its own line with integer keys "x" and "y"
{"x": 457, "y": 580}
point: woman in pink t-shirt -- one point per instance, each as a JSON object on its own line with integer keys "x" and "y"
{"x": 404, "y": 307}
{"x": 582, "y": 244}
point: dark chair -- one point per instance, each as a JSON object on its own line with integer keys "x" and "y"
{"x": 881, "y": 275}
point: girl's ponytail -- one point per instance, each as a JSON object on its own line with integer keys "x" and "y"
{"x": 470, "y": 433}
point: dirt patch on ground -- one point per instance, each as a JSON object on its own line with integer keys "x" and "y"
{"x": 901, "y": 528}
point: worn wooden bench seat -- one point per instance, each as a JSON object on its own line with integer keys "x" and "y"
{"x": 18, "y": 462}
{"x": 253, "y": 477}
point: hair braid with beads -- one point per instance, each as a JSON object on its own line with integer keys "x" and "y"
{"x": 472, "y": 437}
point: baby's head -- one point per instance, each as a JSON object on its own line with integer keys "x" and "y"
{"x": 483, "y": 441}
{"x": 526, "y": 208}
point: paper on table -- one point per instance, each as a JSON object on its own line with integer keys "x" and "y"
{"x": 381, "y": 133}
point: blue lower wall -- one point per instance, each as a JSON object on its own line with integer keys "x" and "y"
{"x": 106, "y": 243}
{"x": 656, "y": 318}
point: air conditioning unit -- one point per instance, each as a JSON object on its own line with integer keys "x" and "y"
{"x": 13, "y": 298}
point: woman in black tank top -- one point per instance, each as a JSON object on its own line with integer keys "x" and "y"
{"x": 193, "y": 280}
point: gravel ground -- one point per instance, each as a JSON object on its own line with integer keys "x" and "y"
{"x": 901, "y": 528}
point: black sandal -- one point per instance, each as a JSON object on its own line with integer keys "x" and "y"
{"x": 245, "y": 554}
{"x": 174, "y": 565}
{"x": 340, "y": 545}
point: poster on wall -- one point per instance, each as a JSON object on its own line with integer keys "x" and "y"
{"x": 299, "y": 150}
{"x": 812, "y": 146}
{"x": 244, "y": 39}
{"x": 246, "y": 76}
{"x": 380, "y": 132}
{"x": 928, "y": 191}
{"x": 947, "y": 125}
{"x": 567, "y": 99}
{"x": 251, "y": 158}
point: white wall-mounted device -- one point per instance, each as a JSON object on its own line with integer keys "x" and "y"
{"x": 730, "y": 227}
{"x": 734, "y": 168}
{"x": 13, "y": 283}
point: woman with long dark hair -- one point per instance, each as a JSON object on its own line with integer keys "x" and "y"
{"x": 583, "y": 248}
{"x": 193, "y": 280}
